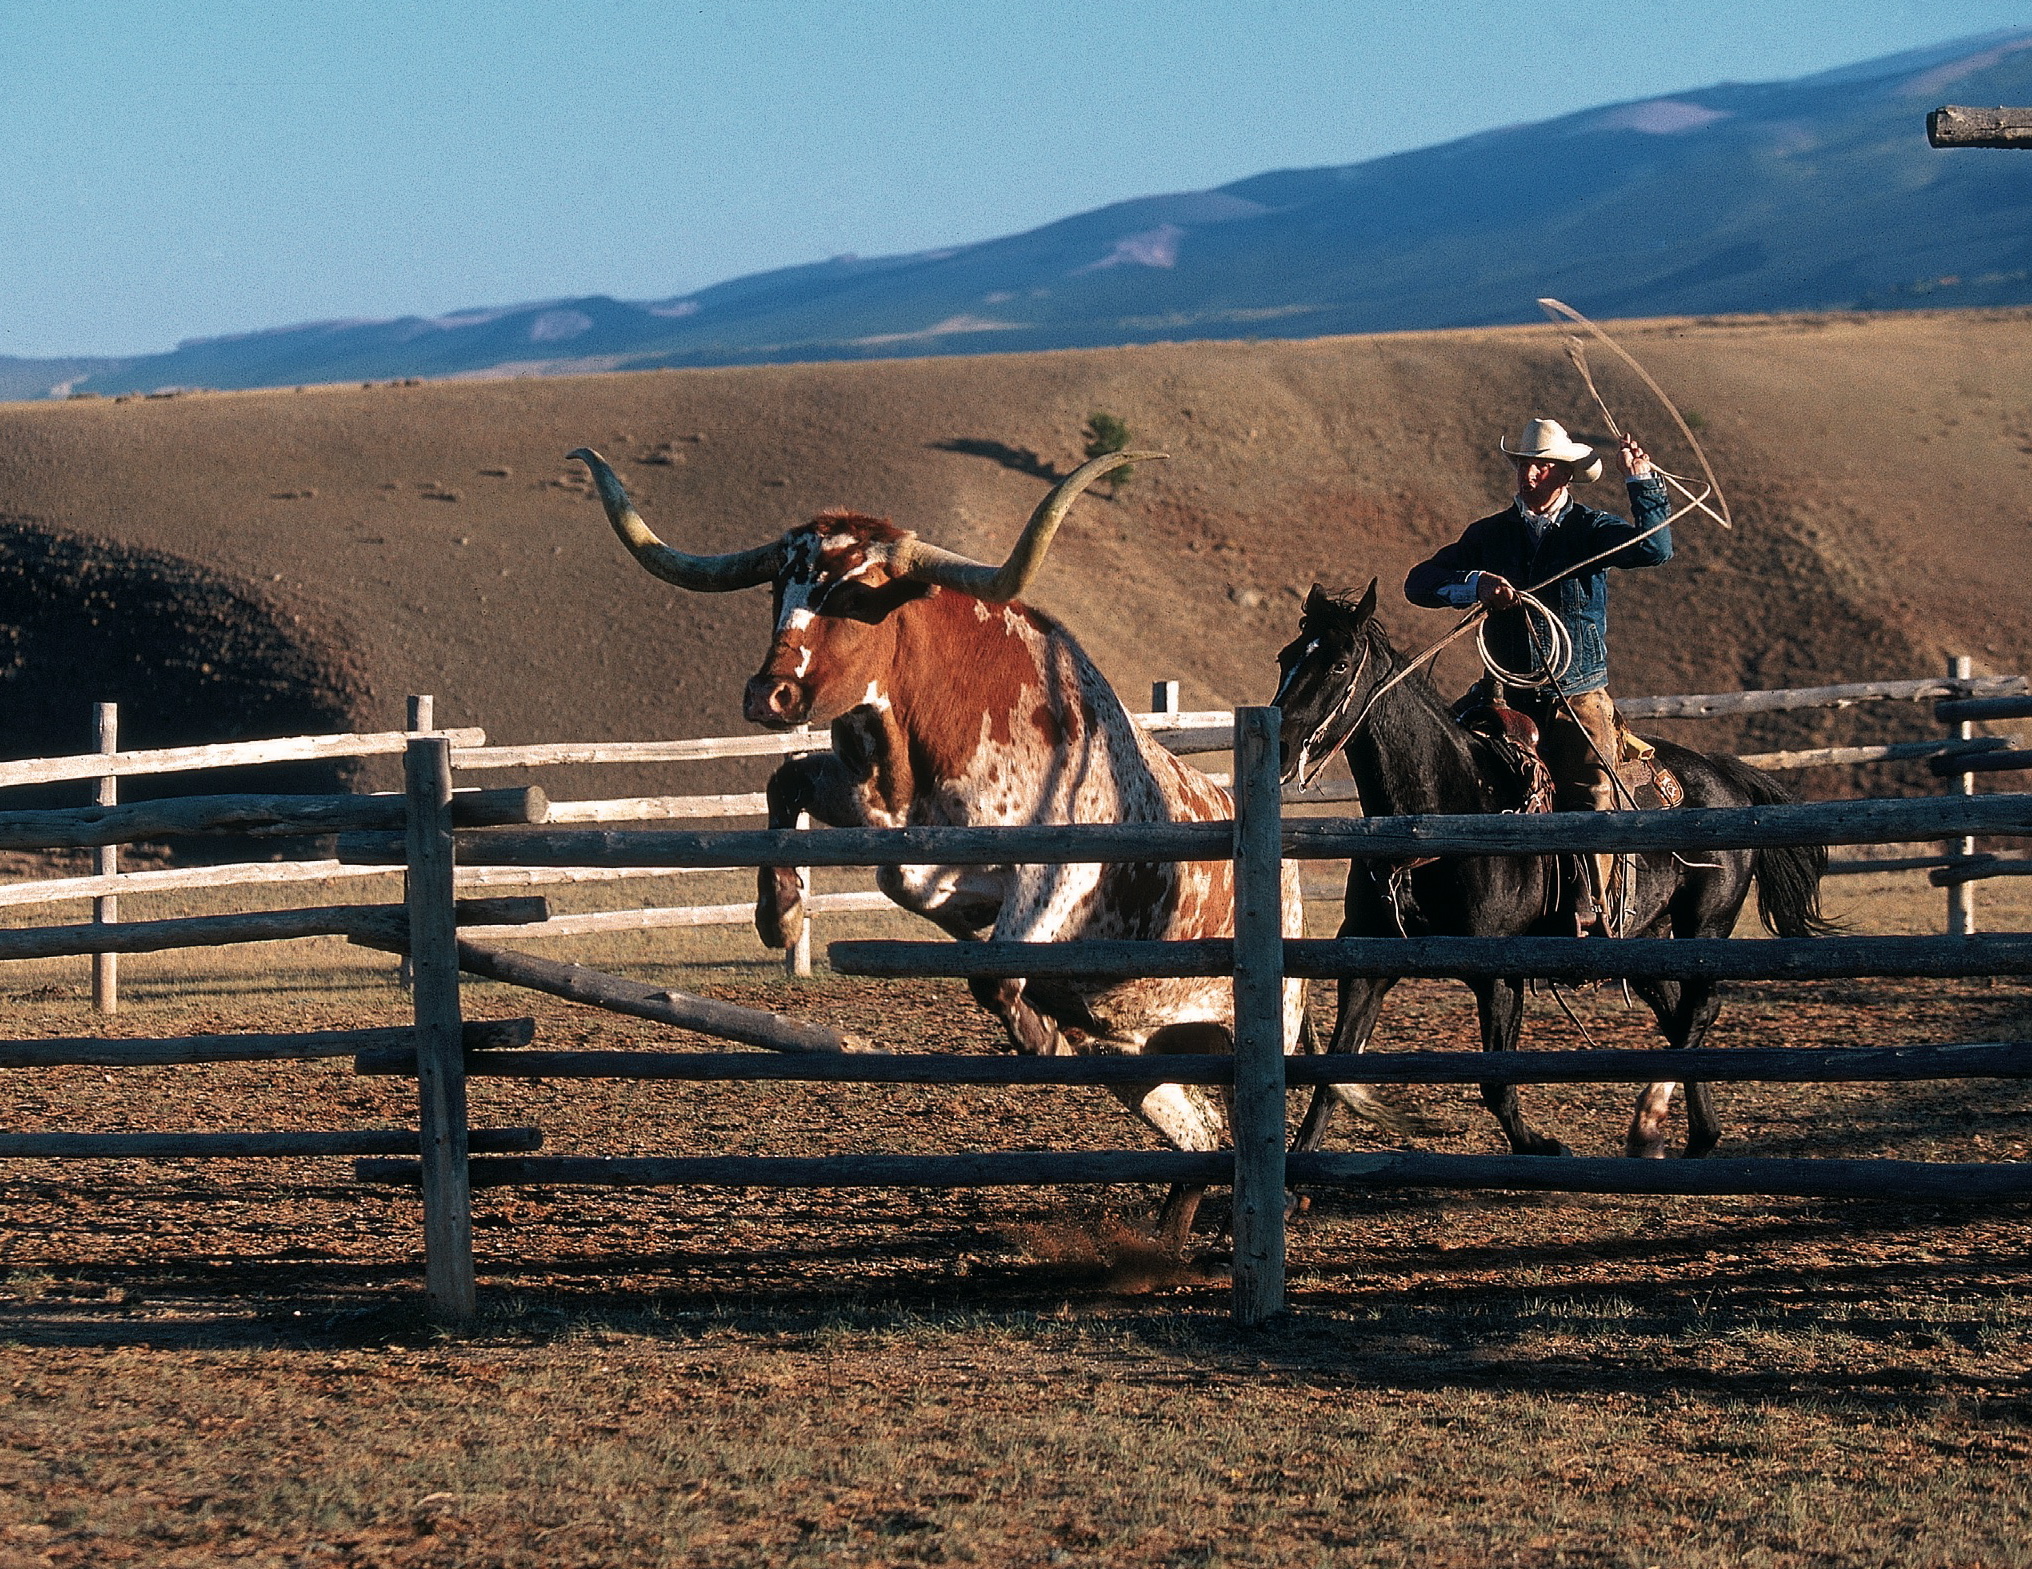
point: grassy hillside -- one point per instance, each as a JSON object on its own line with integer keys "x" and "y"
{"x": 362, "y": 543}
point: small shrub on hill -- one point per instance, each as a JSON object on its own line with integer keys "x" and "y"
{"x": 1107, "y": 433}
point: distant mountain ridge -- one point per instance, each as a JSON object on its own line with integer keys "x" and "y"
{"x": 1813, "y": 194}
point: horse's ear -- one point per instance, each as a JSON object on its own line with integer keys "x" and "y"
{"x": 1318, "y": 601}
{"x": 1367, "y": 607}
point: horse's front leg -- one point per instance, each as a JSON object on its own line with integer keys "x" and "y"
{"x": 1500, "y": 1004}
{"x": 1685, "y": 1010}
{"x": 1361, "y": 1004}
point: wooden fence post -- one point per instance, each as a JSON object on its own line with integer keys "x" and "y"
{"x": 1259, "y": 1021}
{"x": 440, "y": 1051}
{"x": 418, "y": 720}
{"x": 1164, "y": 697}
{"x": 106, "y": 909}
{"x": 1961, "y": 897}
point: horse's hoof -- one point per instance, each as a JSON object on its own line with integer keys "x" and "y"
{"x": 1547, "y": 1147}
{"x": 1647, "y": 1149}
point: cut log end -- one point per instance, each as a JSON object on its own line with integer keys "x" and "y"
{"x": 1956, "y": 125}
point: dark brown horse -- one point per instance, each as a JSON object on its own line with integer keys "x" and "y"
{"x": 1409, "y": 756}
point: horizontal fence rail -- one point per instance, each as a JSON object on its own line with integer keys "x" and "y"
{"x": 78, "y": 827}
{"x": 781, "y": 743}
{"x": 1715, "y": 705}
{"x": 1686, "y": 828}
{"x": 236, "y": 1146}
{"x": 654, "y": 808}
{"x": 361, "y": 921}
{"x": 1979, "y": 868}
{"x": 57, "y": 890}
{"x": 1775, "y": 1065}
{"x": 1210, "y": 731}
{"x": 1550, "y": 958}
{"x": 662, "y": 918}
{"x": 2012, "y": 762}
{"x": 1928, "y": 1181}
{"x": 1942, "y": 751}
{"x": 1956, "y": 710}
{"x": 218, "y": 754}
{"x": 304, "y": 1046}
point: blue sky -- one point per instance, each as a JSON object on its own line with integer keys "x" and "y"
{"x": 172, "y": 170}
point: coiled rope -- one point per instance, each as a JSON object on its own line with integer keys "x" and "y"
{"x": 1555, "y": 654}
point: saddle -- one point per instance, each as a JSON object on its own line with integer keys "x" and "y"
{"x": 1523, "y": 780}
{"x": 1516, "y": 768}
{"x": 1513, "y": 743}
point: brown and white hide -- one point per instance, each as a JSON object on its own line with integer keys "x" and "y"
{"x": 948, "y": 709}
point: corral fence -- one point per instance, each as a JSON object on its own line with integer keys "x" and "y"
{"x": 1960, "y": 700}
{"x": 430, "y": 831}
{"x": 1259, "y": 959}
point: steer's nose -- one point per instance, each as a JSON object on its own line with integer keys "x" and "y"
{"x": 775, "y": 700}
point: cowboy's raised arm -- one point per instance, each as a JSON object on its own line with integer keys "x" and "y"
{"x": 1649, "y": 506}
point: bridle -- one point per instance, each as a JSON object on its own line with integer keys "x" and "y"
{"x": 1307, "y": 770}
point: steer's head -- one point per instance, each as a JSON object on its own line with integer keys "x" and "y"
{"x": 837, "y": 581}
{"x": 834, "y": 639}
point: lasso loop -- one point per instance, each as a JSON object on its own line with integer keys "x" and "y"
{"x": 1576, "y": 352}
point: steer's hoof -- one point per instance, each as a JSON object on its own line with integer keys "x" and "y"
{"x": 779, "y": 908}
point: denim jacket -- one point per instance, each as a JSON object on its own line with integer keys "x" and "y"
{"x": 1502, "y": 544}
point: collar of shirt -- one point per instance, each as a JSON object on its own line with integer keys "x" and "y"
{"x": 1539, "y": 522}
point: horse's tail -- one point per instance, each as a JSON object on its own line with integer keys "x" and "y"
{"x": 1788, "y": 878}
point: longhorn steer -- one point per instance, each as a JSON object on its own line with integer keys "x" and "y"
{"x": 950, "y": 702}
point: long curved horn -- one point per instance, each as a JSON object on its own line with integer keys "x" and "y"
{"x": 707, "y": 574}
{"x": 929, "y": 564}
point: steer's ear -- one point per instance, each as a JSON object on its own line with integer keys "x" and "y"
{"x": 1367, "y": 607}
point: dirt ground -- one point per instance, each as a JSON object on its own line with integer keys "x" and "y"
{"x": 226, "y": 1362}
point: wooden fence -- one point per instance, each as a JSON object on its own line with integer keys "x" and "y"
{"x": 1258, "y": 958}
{"x": 430, "y": 830}
{"x": 1961, "y": 699}
{"x": 96, "y": 826}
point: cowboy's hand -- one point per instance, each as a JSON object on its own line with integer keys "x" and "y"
{"x": 1635, "y": 460}
{"x": 1497, "y": 592}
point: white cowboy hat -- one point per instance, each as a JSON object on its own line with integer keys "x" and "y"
{"x": 1546, "y": 441}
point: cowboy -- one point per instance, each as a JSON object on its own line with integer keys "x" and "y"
{"x": 1545, "y": 542}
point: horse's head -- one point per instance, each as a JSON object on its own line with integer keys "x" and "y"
{"x": 1327, "y": 674}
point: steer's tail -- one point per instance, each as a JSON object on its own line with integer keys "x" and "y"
{"x": 1788, "y": 877}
